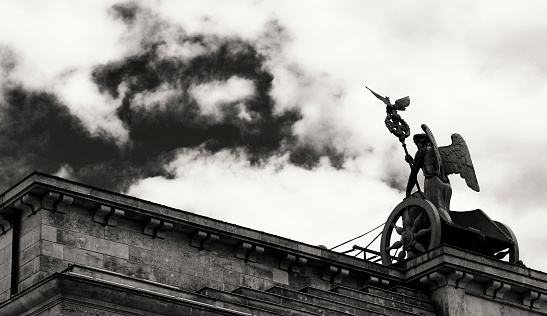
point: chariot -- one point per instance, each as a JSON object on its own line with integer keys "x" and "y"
{"x": 419, "y": 228}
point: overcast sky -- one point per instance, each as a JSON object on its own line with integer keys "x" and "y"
{"x": 256, "y": 112}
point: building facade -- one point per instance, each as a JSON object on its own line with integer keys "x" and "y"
{"x": 71, "y": 249}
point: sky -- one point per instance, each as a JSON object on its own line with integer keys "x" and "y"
{"x": 256, "y": 112}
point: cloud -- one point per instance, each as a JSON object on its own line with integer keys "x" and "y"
{"x": 168, "y": 90}
{"x": 212, "y": 96}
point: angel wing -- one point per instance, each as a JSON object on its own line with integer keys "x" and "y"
{"x": 381, "y": 98}
{"x": 456, "y": 159}
{"x": 402, "y": 103}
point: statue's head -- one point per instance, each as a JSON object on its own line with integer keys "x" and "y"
{"x": 421, "y": 139}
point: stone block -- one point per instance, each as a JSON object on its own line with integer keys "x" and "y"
{"x": 5, "y": 283}
{"x": 57, "y": 251}
{"x": 76, "y": 219}
{"x": 143, "y": 256}
{"x": 82, "y": 256}
{"x": 128, "y": 237}
{"x": 125, "y": 267}
{"x": 256, "y": 282}
{"x": 4, "y": 270}
{"x": 50, "y": 265}
{"x": 30, "y": 223}
{"x": 26, "y": 270}
{"x": 29, "y": 238}
{"x": 259, "y": 270}
{"x": 29, "y": 253}
{"x": 228, "y": 263}
{"x": 4, "y": 296}
{"x": 5, "y": 240}
{"x": 28, "y": 282}
{"x": 231, "y": 278}
{"x": 47, "y": 248}
{"x": 49, "y": 233}
{"x": 94, "y": 244}
{"x": 280, "y": 276}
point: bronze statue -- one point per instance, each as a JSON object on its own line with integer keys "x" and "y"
{"x": 423, "y": 220}
{"x": 436, "y": 164}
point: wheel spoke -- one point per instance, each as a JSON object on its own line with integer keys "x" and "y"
{"x": 401, "y": 256}
{"x": 419, "y": 247}
{"x": 423, "y": 232}
{"x": 417, "y": 221}
{"x": 396, "y": 245}
{"x": 407, "y": 219}
{"x": 398, "y": 229}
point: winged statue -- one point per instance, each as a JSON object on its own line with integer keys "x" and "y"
{"x": 436, "y": 164}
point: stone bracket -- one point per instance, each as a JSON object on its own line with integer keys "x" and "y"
{"x": 293, "y": 263}
{"x": 32, "y": 203}
{"x": 496, "y": 289}
{"x": 202, "y": 240}
{"x": 334, "y": 274}
{"x": 107, "y": 215}
{"x": 248, "y": 252}
{"x": 52, "y": 200}
{"x": 376, "y": 281}
{"x": 156, "y": 227}
{"x": 29, "y": 203}
{"x": 434, "y": 280}
{"x": 533, "y": 299}
{"x": 459, "y": 279}
{"x": 5, "y": 223}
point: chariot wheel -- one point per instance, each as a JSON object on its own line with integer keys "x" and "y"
{"x": 418, "y": 228}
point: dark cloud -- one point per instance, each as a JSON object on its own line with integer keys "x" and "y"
{"x": 40, "y": 133}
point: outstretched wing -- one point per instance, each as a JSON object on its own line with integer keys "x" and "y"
{"x": 402, "y": 103}
{"x": 456, "y": 159}
{"x": 381, "y": 98}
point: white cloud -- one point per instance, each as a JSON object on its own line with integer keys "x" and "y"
{"x": 213, "y": 96}
{"x": 94, "y": 109}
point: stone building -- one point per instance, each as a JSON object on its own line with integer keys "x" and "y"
{"x": 71, "y": 249}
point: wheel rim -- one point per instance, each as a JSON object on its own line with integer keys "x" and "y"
{"x": 417, "y": 227}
